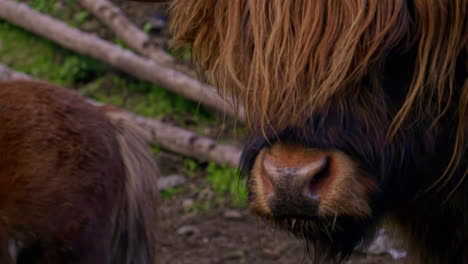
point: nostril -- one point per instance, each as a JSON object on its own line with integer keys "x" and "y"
{"x": 321, "y": 171}
{"x": 318, "y": 178}
{"x": 268, "y": 176}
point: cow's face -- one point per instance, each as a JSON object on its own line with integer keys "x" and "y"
{"x": 331, "y": 180}
{"x": 321, "y": 182}
{"x": 320, "y": 195}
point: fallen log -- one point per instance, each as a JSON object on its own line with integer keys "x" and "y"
{"x": 90, "y": 45}
{"x": 186, "y": 142}
{"x": 113, "y": 17}
{"x": 167, "y": 136}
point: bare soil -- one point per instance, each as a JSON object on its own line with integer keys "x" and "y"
{"x": 198, "y": 228}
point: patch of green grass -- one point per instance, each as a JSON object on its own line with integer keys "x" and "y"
{"x": 192, "y": 166}
{"x": 225, "y": 182}
{"x": 79, "y": 18}
{"x": 156, "y": 149}
{"x": 144, "y": 98}
{"x": 77, "y": 68}
{"x": 147, "y": 27}
{"x": 65, "y": 10}
{"x": 168, "y": 193}
{"x": 44, "y": 6}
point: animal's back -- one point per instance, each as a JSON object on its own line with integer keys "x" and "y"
{"x": 60, "y": 175}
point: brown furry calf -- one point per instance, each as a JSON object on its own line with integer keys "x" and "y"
{"x": 358, "y": 110}
{"x": 77, "y": 184}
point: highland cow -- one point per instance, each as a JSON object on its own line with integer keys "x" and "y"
{"x": 77, "y": 183}
{"x": 358, "y": 114}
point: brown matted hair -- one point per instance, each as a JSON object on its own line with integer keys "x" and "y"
{"x": 286, "y": 59}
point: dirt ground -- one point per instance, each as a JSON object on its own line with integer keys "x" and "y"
{"x": 194, "y": 229}
{"x": 225, "y": 236}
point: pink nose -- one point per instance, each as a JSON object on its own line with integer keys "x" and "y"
{"x": 295, "y": 182}
{"x": 307, "y": 176}
{"x": 290, "y": 180}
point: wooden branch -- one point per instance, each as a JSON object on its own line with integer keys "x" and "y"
{"x": 113, "y": 17}
{"x": 125, "y": 60}
{"x": 167, "y": 136}
{"x": 186, "y": 142}
{"x": 138, "y": 40}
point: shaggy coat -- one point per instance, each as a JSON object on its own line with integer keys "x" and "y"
{"x": 362, "y": 102}
{"x": 77, "y": 184}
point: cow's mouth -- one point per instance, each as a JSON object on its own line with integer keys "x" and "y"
{"x": 290, "y": 182}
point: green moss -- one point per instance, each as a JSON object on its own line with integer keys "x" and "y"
{"x": 26, "y": 52}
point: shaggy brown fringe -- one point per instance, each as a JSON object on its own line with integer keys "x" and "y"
{"x": 286, "y": 59}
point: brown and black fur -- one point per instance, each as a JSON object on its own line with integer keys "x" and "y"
{"x": 68, "y": 193}
{"x": 384, "y": 82}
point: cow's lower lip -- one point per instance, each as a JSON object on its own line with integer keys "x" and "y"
{"x": 305, "y": 209}
{"x": 281, "y": 218}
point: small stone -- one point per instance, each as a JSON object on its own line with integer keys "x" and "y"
{"x": 232, "y": 215}
{"x": 187, "y": 203}
{"x": 188, "y": 230}
{"x": 171, "y": 181}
